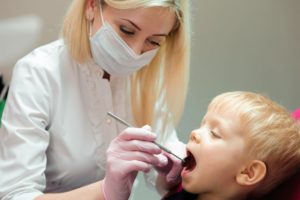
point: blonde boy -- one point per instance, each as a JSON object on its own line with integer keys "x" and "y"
{"x": 246, "y": 145}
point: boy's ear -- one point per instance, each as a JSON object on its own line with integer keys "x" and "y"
{"x": 253, "y": 173}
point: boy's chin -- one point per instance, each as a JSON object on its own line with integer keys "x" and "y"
{"x": 189, "y": 187}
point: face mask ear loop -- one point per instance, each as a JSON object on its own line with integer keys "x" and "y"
{"x": 90, "y": 19}
{"x": 90, "y": 28}
{"x": 102, "y": 19}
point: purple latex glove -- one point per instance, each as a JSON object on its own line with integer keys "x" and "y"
{"x": 172, "y": 170}
{"x": 132, "y": 151}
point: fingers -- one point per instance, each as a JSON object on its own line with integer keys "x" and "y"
{"x": 128, "y": 167}
{"x": 163, "y": 160}
{"x": 174, "y": 168}
{"x": 138, "y": 139}
{"x": 147, "y": 127}
{"x": 142, "y": 146}
{"x": 119, "y": 157}
{"x": 122, "y": 167}
{"x": 178, "y": 148}
{"x": 172, "y": 158}
{"x": 136, "y": 165}
{"x": 134, "y": 150}
{"x": 144, "y": 134}
{"x": 166, "y": 168}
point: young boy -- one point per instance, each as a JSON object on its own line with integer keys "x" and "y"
{"x": 246, "y": 145}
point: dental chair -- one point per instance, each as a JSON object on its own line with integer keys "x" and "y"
{"x": 288, "y": 190}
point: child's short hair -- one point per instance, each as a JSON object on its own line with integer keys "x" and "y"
{"x": 273, "y": 136}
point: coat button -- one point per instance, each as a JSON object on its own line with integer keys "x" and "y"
{"x": 108, "y": 120}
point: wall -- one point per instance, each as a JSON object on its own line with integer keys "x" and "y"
{"x": 236, "y": 45}
{"x": 50, "y": 13}
{"x": 243, "y": 45}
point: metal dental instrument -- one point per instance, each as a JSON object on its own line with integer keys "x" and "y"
{"x": 129, "y": 125}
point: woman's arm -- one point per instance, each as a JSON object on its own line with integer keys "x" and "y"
{"x": 24, "y": 138}
{"x": 128, "y": 153}
{"x": 90, "y": 192}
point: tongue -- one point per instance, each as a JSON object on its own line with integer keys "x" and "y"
{"x": 189, "y": 162}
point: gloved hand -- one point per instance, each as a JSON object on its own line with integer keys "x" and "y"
{"x": 132, "y": 151}
{"x": 172, "y": 170}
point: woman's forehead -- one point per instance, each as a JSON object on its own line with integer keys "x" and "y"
{"x": 160, "y": 18}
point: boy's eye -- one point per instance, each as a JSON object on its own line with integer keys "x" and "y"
{"x": 214, "y": 134}
{"x": 126, "y": 30}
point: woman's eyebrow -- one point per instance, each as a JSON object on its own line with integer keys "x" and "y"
{"x": 133, "y": 24}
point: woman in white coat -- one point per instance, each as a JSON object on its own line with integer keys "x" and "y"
{"x": 130, "y": 57}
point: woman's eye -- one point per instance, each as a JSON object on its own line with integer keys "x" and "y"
{"x": 214, "y": 134}
{"x": 126, "y": 30}
{"x": 155, "y": 43}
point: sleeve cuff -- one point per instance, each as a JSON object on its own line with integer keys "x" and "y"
{"x": 25, "y": 196}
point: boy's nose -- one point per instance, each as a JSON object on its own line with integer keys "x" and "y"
{"x": 195, "y": 137}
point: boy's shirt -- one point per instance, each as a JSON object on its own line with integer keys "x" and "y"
{"x": 178, "y": 193}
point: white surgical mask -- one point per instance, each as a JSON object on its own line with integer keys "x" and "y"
{"x": 112, "y": 53}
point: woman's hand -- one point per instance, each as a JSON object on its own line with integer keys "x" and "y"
{"x": 171, "y": 172}
{"x": 132, "y": 151}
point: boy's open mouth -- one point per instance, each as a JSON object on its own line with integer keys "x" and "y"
{"x": 189, "y": 162}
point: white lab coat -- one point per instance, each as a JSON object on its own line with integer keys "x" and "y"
{"x": 55, "y": 129}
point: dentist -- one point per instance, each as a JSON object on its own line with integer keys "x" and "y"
{"x": 130, "y": 57}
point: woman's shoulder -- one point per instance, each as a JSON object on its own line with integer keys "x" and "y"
{"x": 44, "y": 60}
{"x": 46, "y": 56}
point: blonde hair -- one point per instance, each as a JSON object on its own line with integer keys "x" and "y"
{"x": 273, "y": 136}
{"x": 164, "y": 80}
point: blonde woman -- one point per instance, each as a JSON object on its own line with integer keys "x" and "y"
{"x": 130, "y": 57}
